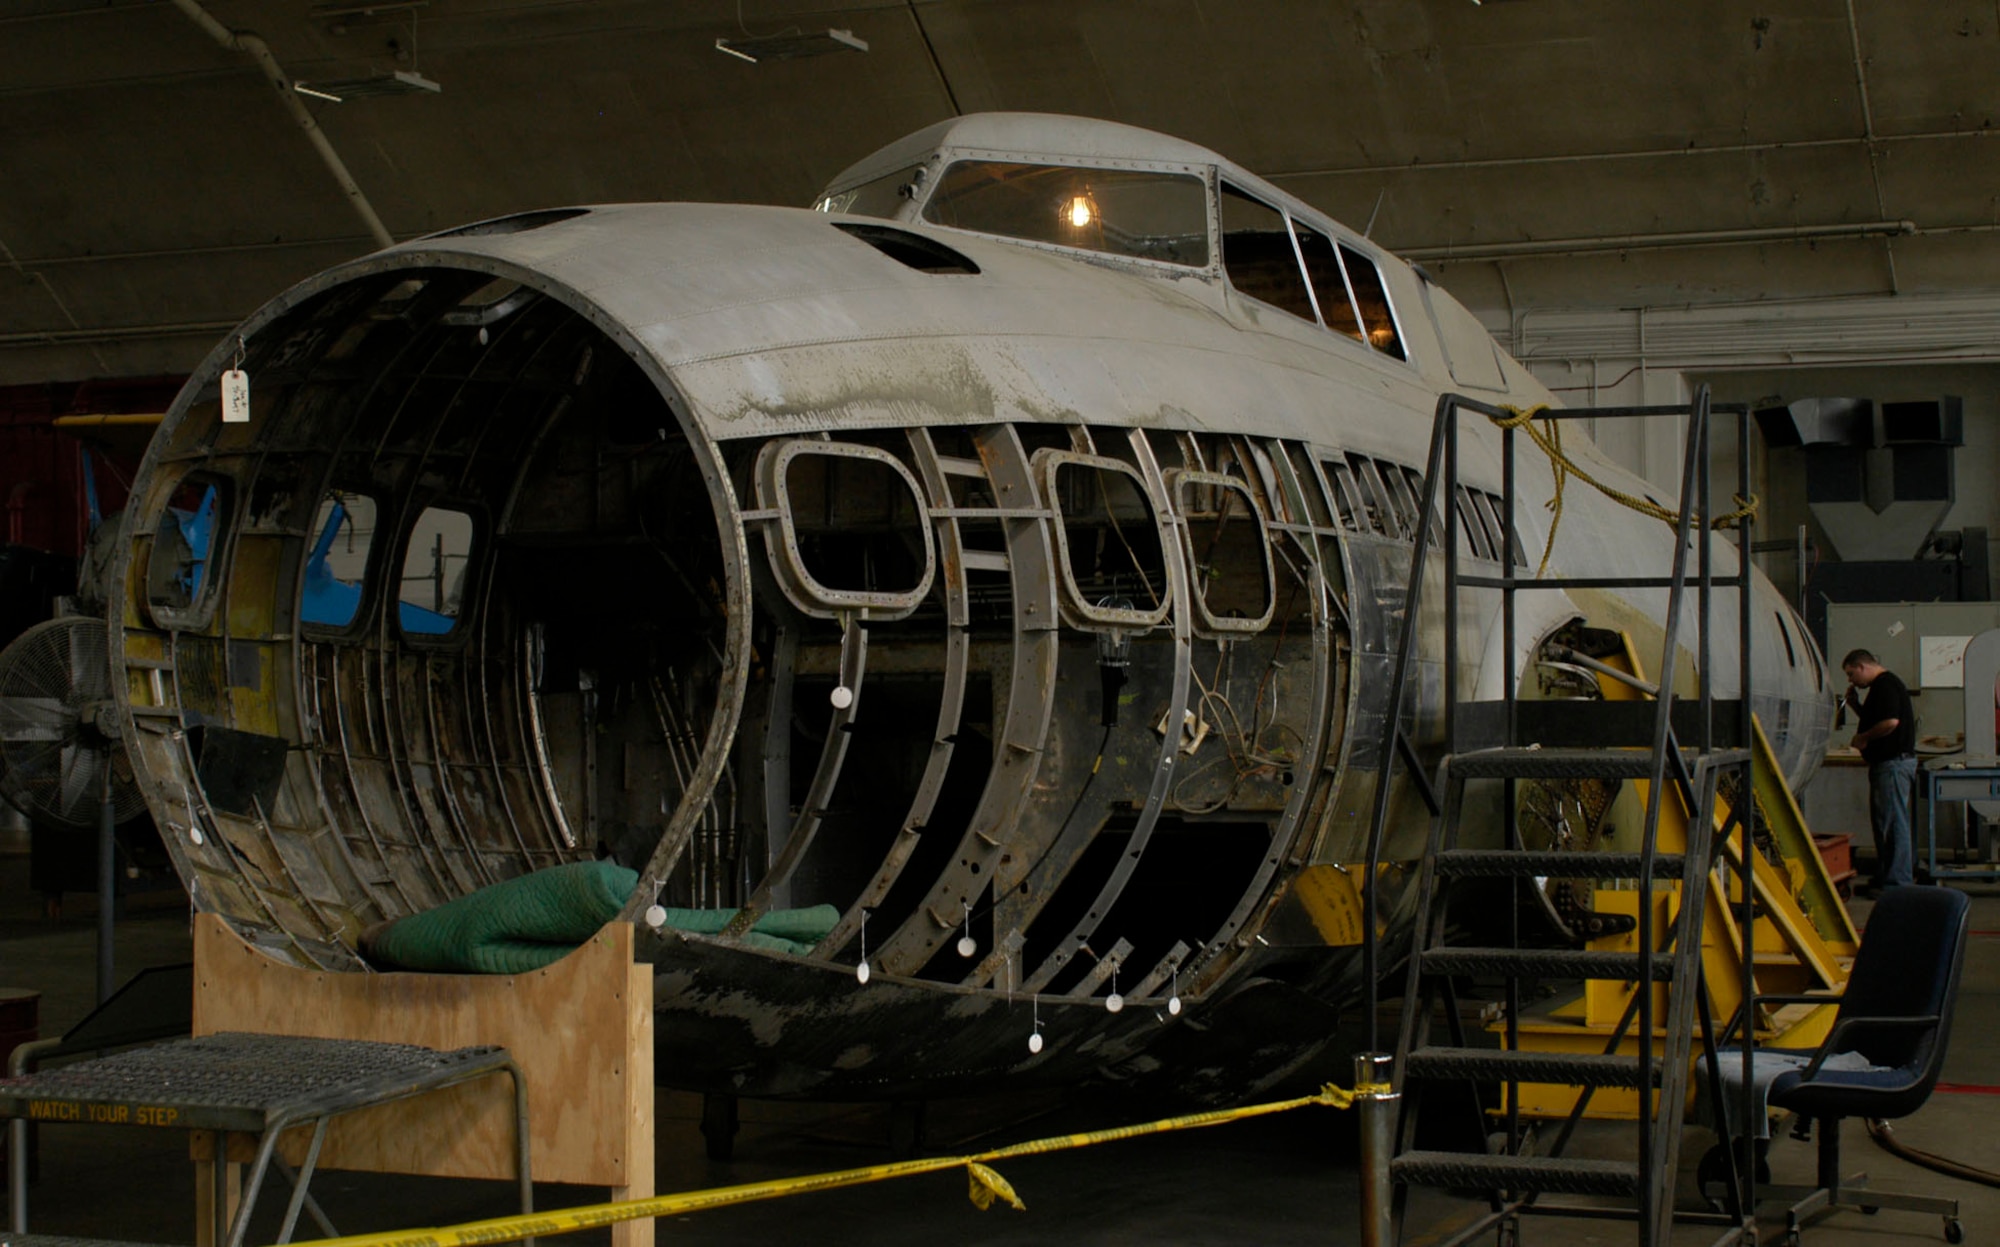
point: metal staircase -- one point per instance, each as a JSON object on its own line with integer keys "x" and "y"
{"x": 1676, "y": 750}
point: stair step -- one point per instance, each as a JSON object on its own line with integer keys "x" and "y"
{"x": 1516, "y": 1173}
{"x": 1590, "y": 1069}
{"x": 64, "y": 1240}
{"x": 1545, "y": 963}
{"x": 1553, "y": 864}
{"x": 1553, "y": 764}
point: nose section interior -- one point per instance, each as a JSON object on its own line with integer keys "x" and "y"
{"x": 464, "y": 564}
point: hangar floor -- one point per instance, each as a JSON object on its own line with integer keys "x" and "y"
{"x": 1278, "y": 1180}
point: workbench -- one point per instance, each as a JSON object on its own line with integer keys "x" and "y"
{"x": 1953, "y": 779}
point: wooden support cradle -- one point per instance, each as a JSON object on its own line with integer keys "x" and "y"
{"x": 581, "y": 1031}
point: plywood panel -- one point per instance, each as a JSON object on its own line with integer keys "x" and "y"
{"x": 581, "y": 1031}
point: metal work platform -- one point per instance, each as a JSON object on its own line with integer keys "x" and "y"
{"x": 264, "y": 1085}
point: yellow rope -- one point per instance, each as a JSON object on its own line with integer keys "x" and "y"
{"x": 1548, "y": 437}
{"x": 985, "y": 1186}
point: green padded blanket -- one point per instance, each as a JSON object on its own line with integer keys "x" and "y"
{"x": 523, "y": 924}
{"x": 537, "y": 919}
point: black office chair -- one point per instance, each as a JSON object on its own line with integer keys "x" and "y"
{"x": 1895, "y": 1013}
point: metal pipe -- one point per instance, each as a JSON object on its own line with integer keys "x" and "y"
{"x": 1559, "y": 247}
{"x": 17, "y": 1175}
{"x": 21, "y": 1061}
{"x": 1377, "y": 1112}
{"x": 116, "y": 333}
{"x": 107, "y": 421}
{"x": 107, "y": 884}
{"x": 260, "y": 52}
{"x": 186, "y": 253}
{"x": 1644, "y": 153}
{"x": 1564, "y": 654}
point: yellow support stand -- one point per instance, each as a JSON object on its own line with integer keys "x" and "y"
{"x": 1802, "y": 939}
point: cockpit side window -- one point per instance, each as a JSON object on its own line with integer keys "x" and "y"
{"x": 1373, "y": 302}
{"x": 1142, "y": 213}
{"x": 883, "y": 197}
{"x": 1257, "y": 254}
{"x": 1329, "y": 285}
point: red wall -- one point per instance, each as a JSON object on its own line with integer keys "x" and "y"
{"x": 41, "y": 486}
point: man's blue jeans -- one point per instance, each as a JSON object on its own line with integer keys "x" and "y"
{"x": 1890, "y": 785}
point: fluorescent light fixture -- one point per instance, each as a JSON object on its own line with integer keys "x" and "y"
{"x": 338, "y": 9}
{"x": 786, "y": 47}
{"x": 402, "y": 82}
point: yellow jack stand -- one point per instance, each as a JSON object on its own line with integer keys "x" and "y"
{"x": 1803, "y": 940}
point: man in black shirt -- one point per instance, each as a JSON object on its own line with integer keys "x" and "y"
{"x": 1887, "y": 740}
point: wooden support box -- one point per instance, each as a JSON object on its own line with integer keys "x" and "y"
{"x": 581, "y": 1031}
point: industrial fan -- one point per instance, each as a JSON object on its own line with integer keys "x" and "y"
{"x": 58, "y": 740}
{"x": 61, "y": 761}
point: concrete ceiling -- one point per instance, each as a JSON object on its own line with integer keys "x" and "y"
{"x": 154, "y": 189}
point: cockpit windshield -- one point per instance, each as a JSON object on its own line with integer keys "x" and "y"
{"x": 881, "y": 197}
{"x": 1147, "y": 214}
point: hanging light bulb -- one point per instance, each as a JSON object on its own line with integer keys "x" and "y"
{"x": 1079, "y": 211}
{"x": 1035, "y": 1037}
{"x": 966, "y": 944}
{"x": 1114, "y": 1003}
{"x": 1174, "y": 1001}
{"x": 861, "y": 968}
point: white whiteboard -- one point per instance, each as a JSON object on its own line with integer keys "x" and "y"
{"x": 1941, "y": 660}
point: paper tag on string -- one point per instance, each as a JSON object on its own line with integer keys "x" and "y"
{"x": 236, "y": 397}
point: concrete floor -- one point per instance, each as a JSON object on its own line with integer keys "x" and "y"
{"x": 1279, "y": 1180}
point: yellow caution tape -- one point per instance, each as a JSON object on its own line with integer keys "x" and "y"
{"x": 985, "y": 1186}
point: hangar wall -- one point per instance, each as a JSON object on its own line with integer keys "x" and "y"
{"x": 1895, "y": 346}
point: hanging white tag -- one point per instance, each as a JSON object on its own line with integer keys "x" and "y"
{"x": 236, "y": 397}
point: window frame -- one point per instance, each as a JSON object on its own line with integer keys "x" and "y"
{"x": 1478, "y": 541}
{"x": 416, "y": 511}
{"x": 1402, "y": 352}
{"x": 1207, "y": 622}
{"x": 1223, "y": 187}
{"x": 1414, "y": 481}
{"x": 1346, "y": 287}
{"x": 199, "y": 610}
{"x": 1086, "y": 614}
{"x": 1205, "y": 174}
{"x": 1345, "y": 491}
{"x": 1492, "y": 507}
{"x": 1387, "y": 516}
{"x": 320, "y": 628}
{"x": 781, "y": 536}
